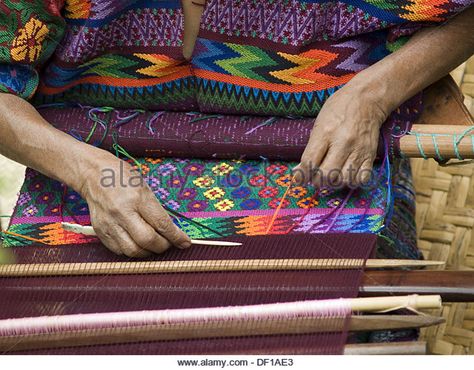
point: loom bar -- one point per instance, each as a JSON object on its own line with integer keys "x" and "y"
{"x": 400, "y": 348}
{"x": 443, "y": 135}
{"x": 453, "y": 286}
{"x": 199, "y": 330}
{"x": 270, "y": 311}
{"x": 152, "y": 267}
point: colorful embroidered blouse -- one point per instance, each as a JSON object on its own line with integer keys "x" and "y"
{"x": 270, "y": 57}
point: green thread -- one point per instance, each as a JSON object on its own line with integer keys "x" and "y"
{"x": 435, "y": 144}
{"x": 456, "y": 149}
{"x": 120, "y": 150}
{"x": 386, "y": 238}
{"x": 420, "y": 147}
{"x": 457, "y": 139}
{"x": 205, "y": 117}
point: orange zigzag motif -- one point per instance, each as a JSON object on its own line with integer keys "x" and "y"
{"x": 77, "y": 9}
{"x": 424, "y": 10}
{"x": 308, "y": 63}
{"x": 161, "y": 65}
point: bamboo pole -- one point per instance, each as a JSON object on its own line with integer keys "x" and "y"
{"x": 400, "y": 348}
{"x": 444, "y": 138}
{"x": 153, "y": 267}
{"x": 218, "y": 315}
{"x": 197, "y": 330}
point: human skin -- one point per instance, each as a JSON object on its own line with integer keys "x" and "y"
{"x": 129, "y": 220}
{"x": 343, "y": 143}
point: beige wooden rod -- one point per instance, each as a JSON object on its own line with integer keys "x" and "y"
{"x": 409, "y": 145}
{"x": 400, "y": 348}
{"x": 154, "y": 267}
{"x": 196, "y": 330}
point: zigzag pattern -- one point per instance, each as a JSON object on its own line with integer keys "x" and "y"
{"x": 178, "y": 94}
{"x": 307, "y": 64}
{"x": 134, "y": 66}
{"x": 257, "y": 64}
{"x": 77, "y": 9}
{"x": 424, "y": 10}
{"x": 161, "y": 65}
{"x": 413, "y": 10}
{"x": 230, "y": 97}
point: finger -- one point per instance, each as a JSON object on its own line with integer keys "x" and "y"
{"x": 155, "y": 215}
{"x": 310, "y": 161}
{"x": 106, "y": 239}
{"x": 350, "y": 169}
{"x": 145, "y": 236}
{"x": 330, "y": 170}
{"x": 117, "y": 237}
{"x": 365, "y": 173}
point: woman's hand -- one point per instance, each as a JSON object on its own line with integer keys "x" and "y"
{"x": 343, "y": 143}
{"x": 125, "y": 214}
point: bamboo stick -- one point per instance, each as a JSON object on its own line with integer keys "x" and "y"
{"x": 400, "y": 348}
{"x": 218, "y": 315}
{"x": 453, "y": 286}
{"x": 409, "y": 145}
{"x": 196, "y": 330}
{"x": 152, "y": 267}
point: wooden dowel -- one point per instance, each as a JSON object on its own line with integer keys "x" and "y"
{"x": 409, "y": 145}
{"x": 379, "y": 304}
{"x": 150, "y": 267}
{"x": 399, "y": 348}
{"x": 439, "y": 129}
{"x": 453, "y": 286}
{"x": 238, "y": 328}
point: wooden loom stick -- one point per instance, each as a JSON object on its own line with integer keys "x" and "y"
{"x": 183, "y": 316}
{"x": 453, "y": 286}
{"x": 443, "y": 136}
{"x": 400, "y": 348}
{"x": 188, "y": 266}
{"x": 89, "y": 230}
{"x": 197, "y": 330}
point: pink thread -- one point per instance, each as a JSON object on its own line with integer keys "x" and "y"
{"x": 274, "y": 311}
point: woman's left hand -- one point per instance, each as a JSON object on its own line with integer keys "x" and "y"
{"x": 344, "y": 140}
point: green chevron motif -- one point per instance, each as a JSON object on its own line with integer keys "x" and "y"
{"x": 250, "y": 57}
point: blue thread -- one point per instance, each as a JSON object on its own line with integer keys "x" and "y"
{"x": 435, "y": 144}
{"x": 420, "y": 147}
{"x": 456, "y": 149}
{"x": 269, "y": 121}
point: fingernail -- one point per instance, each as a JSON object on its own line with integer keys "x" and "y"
{"x": 185, "y": 245}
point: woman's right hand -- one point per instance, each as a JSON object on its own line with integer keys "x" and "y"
{"x": 125, "y": 214}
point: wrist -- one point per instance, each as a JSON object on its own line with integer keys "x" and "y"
{"x": 377, "y": 86}
{"x": 89, "y": 163}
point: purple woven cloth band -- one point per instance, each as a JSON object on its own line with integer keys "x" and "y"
{"x": 177, "y": 134}
{"x": 196, "y": 135}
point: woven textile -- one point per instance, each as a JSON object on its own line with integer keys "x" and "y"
{"x": 277, "y": 57}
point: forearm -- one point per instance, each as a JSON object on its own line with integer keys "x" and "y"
{"x": 428, "y": 56}
{"x": 28, "y": 139}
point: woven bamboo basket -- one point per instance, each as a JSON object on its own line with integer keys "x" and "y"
{"x": 445, "y": 222}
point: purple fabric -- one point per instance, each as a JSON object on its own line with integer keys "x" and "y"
{"x": 133, "y": 292}
{"x": 178, "y": 134}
